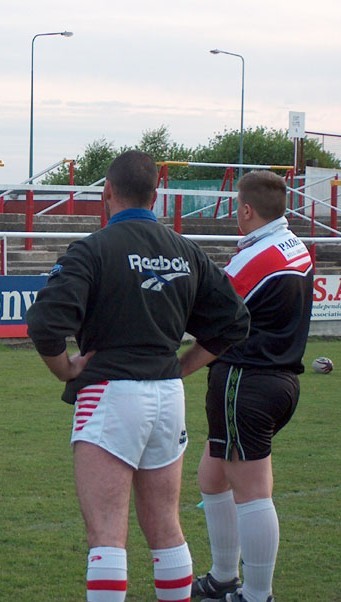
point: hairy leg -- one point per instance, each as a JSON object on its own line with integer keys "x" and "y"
{"x": 157, "y": 494}
{"x": 103, "y": 484}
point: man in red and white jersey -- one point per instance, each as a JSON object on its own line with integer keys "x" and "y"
{"x": 253, "y": 390}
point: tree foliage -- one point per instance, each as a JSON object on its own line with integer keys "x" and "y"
{"x": 261, "y": 146}
{"x": 159, "y": 145}
{"x": 89, "y": 168}
{"x": 313, "y": 151}
{"x": 92, "y": 166}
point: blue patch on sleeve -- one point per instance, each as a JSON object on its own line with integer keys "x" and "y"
{"x": 55, "y": 270}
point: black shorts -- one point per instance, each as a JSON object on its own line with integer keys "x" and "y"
{"x": 246, "y": 407}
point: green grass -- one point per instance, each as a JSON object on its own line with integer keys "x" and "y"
{"x": 42, "y": 540}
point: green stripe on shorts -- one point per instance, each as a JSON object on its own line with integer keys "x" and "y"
{"x": 231, "y": 393}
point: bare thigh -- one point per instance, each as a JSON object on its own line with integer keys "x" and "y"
{"x": 157, "y": 494}
{"x": 103, "y": 484}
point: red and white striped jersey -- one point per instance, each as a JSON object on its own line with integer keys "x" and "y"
{"x": 273, "y": 273}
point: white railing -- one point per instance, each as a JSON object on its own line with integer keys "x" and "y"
{"x": 4, "y": 236}
{"x": 224, "y": 195}
{"x": 29, "y": 180}
{"x": 162, "y": 193}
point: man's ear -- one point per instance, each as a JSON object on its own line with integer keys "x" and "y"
{"x": 247, "y": 211}
{"x": 107, "y": 191}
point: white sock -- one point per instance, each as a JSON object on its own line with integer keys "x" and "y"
{"x": 173, "y": 573}
{"x": 259, "y": 538}
{"x": 107, "y": 575}
{"x": 222, "y": 525}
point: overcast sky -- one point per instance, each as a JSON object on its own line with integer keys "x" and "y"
{"x": 134, "y": 65}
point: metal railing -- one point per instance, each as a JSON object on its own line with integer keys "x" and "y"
{"x": 5, "y": 236}
{"x": 307, "y": 203}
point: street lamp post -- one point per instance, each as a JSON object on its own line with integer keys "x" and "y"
{"x": 66, "y": 34}
{"x": 216, "y": 51}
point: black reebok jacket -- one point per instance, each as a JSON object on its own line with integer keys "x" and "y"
{"x": 130, "y": 291}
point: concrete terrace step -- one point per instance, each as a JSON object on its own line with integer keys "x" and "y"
{"x": 35, "y": 255}
{"x": 86, "y": 223}
{"x": 43, "y": 243}
{"x": 51, "y": 223}
{"x": 328, "y": 252}
{"x": 325, "y": 270}
{"x": 45, "y": 251}
{"x": 29, "y": 269}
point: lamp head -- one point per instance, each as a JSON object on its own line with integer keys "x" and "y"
{"x": 215, "y": 51}
{"x": 67, "y": 34}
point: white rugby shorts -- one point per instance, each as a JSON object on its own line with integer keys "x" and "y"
{"x": 140, "y": 422}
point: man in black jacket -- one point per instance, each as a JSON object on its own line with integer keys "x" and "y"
{"x": 128, "y": 293}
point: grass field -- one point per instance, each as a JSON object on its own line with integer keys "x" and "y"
{"x": 42, "y": 542}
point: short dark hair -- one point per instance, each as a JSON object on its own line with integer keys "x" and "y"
{"x": 265, "y": 191}
{"x": 133, "y": 177}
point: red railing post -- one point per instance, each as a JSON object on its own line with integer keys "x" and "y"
{"x": 227, "y": 177}
{"x": 2, "y": 257}
{"x": 300, "y": 197}
{"x": 2, "y": 204}
{"x": 177, "y": 213}
{"x": 333, "y": 204}
{"x": 29, "y": 218}
{"x": 231, "y": 178}
{"x": 165, "y": 185}
{"x": 312, "y": 231}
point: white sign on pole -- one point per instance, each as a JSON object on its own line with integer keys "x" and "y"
{"x": 296, "y": 124}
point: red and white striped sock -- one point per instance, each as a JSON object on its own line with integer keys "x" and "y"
{"x": 173, "y": 574}
{"x": 107, "y": 575}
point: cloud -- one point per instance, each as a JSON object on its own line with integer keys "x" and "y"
{"x": 135, "y": 65}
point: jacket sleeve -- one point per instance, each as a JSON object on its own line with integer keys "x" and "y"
{"x": 60, "y": 307}
{"x": 219, "y": 317}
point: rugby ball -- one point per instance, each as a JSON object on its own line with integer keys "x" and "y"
{"x": 322, "y": 365}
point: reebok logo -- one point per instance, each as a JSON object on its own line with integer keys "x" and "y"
{"x": 93, "y": 558}
{"x": 156, "y": 282}
{"x": 177, "y": 266}
{"x": 160, "y": 263}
